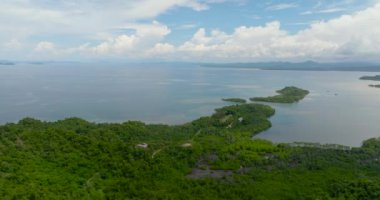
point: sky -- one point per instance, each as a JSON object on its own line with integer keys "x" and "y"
{"x": 190, "y": 30}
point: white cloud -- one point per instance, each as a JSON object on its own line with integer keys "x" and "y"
{"x": 308, "y": 12}
{"x": 160, "y": 50}
{"x": 45, "y": 46}
{"x": 152, "y": 8}
{"x": 338, "y": 6}
{"x": 145, "y": 36}
{"x": 353, "y": 37}
{"x": 328, "y": 10}
{"x": 142, "y": 42}
{"x": 188, "y": 26}
{"x": 282, "y": 6}
{"x": 331, "y": 10}
{"x": 23, "y": 19}
{"x": 13, "y": 44}
{"x": 238, "y": 2}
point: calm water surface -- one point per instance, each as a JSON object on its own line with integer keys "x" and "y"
{"x": 340, "y": 109}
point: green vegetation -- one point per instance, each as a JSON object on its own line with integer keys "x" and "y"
{"x": 209, "y": 158}
{"x": 235, "y": 100}
{"x": 286, "y": 95}
{"x": 371, "y": 78}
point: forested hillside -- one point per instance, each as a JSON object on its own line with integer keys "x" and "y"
{"x": 209, "y": 158}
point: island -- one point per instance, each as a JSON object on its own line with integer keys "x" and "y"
{"x": 301, "y": 66}
{"x": 235, "y": 100}
{"x": 375, "y": 86}
{"x": 288, "y": 94}
{"x": 213, "y": 157}
{"x": 6, "y": 63}
{"x": 371, "y": 78}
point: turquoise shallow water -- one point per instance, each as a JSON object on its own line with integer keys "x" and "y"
{"x": 340, "y": 108}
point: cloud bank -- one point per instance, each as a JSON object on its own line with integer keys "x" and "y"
{"x": 348, "y": 37}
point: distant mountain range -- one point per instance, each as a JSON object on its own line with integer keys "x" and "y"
{"x": 303, "y": 66}
{"x": 6, "y": 62}
{"x": 300, "y": 66}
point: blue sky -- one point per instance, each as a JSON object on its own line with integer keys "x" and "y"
{"x": 188, "y": 30}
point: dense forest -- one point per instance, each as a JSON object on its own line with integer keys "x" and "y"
{"x": 288, "y": 94}
{"x": 212, "y": 157}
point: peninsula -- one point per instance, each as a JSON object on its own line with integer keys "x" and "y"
{"x": 371, "y": 78}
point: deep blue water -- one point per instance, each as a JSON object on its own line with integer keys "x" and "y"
{"x": 340, "y": 108}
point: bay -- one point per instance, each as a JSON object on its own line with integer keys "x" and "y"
{"x": 340, "y": 108}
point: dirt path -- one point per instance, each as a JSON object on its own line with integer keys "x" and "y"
{"x": 159, "y": 150}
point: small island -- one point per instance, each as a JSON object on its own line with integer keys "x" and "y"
{"x": 371, "y": 78}
{"x": 289, "y": 94}
{"x": 375, "y": 86}
{"x": 235, "y": 100}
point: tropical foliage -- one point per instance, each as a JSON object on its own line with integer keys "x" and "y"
{"x": 286, "y": 95}
{"x": 210, "y": 158}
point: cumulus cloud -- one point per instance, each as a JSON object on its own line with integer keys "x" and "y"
{"x": 145, "y": 36}
{"x": 143, "y": 40}
{"x": 347, "y": 37}
{"x": 161, "y": 50}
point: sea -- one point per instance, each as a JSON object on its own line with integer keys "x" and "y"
{"x": 340, "y": 109}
